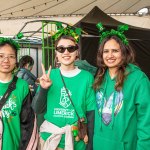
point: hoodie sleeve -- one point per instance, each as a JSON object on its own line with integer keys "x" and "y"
{"x": 90, "y": 95}
{"x": 90, "y": 130}
{"x": 143, "y": 114}
{"x": 90, "y": 114}
{"x": 27, "y": 118}
{"x": 39, "y": 101}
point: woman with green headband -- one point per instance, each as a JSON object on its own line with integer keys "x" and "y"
{"x": 67, "y": 95}
{"x": 16, "y": 115}
{"x": 122, "y": 117}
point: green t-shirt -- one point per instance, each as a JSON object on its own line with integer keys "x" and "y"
{"x": 59, "y": 108}
{"x": 11, "y": 114}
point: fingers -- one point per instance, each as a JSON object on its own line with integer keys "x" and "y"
{"x": 45, "y": 78}
{"x": 45, "y": 81}
{"x": 43, "y": 69}
{"x": 49, "y": 70}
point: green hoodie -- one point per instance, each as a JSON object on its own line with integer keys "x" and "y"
{"x": 124, "y": 122}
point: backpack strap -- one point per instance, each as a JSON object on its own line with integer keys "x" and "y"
{"x": 11, "y": 87}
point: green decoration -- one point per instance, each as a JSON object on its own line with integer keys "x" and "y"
{"x": 9, "y": 41}
{"x": 119, "y": 32}
{"x": 123, "y": 28}
{"x": 78, "y": 31}
{"x": 100, "y": 26}
{"x": 59, "y": 25}
{"x": 74, "y": 129}
{"x": 20, "y": 35}
{"x": 74, "y": 32}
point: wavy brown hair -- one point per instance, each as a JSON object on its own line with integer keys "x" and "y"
{"x": 127, "y": 57}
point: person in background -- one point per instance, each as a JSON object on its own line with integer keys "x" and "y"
{"x": 25, "y": 66}
{"x": 17, "y": 116}
{"x": 122, "y": 118}
{"x": 83, "y": 64}
{"x": 61, "y": 115}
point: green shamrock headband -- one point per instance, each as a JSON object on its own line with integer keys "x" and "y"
{"x": 119, "y": 32}
{"x": 9, "y": 41}
{"x": 74, "y": 32}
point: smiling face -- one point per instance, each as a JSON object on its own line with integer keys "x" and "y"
{"x": 66, "y": 58}
{"x": 112, "y": 55}
{"x": 7, "y": 59}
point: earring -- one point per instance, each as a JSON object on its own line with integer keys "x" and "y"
{"x": 77, "y": 57}
{"x": 56, "y": 62}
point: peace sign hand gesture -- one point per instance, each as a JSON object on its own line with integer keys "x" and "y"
{"x": 45, "y": 81}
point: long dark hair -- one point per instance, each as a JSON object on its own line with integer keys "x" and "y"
{"x": 26, "y": 60}
{"x": 127, "y": 57}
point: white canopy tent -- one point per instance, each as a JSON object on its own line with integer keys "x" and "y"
{"x": 15, "y": 13}
{"x": 33, "y": 8}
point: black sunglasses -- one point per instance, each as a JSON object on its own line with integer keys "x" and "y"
{"x": 70, "y": 49}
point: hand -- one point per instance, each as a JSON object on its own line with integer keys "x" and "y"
{"x": 31, "y": 88}
{"x": 45, "y": 81}
{"x": 37, "y": 81}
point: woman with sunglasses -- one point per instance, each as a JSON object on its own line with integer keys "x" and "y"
{"x": 122, "y": 118}
{"x": 64, "y": 103}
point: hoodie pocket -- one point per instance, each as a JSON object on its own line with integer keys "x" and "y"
{"x": 100, "y": 143}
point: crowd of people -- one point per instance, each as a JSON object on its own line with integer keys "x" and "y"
{"x": 81, "y": 111}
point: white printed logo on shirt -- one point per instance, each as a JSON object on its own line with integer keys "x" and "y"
{"x": 64, "y": 112}
{"x": 64, "y": 99}
{"x": 8, "y": 110}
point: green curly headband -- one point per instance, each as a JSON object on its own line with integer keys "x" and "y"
{"x": 9, "y": 41}
{"x": 67, "y": 31}
{"x": 118, "y": 32}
